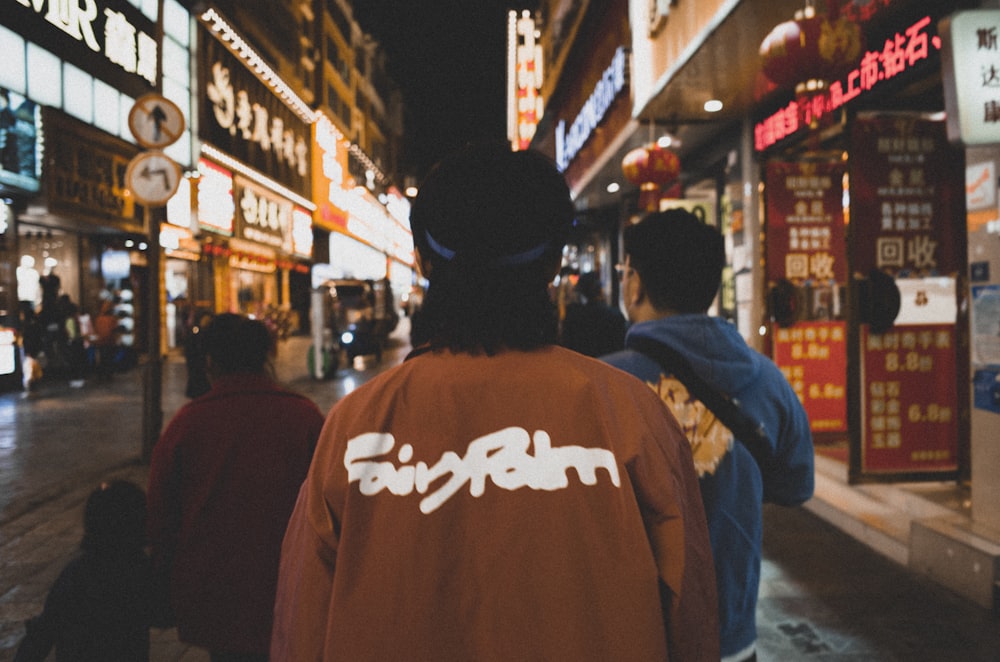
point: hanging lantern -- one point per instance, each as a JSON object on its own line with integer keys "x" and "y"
{"x": 651, "y": 165}
{"x": 810, "y": 47}
{"x": 652, "y": 168}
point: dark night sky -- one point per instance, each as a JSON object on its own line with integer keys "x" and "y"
{"x": 448, "y": 58}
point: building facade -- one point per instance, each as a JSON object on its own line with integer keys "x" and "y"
{"x": 856, "y": 253}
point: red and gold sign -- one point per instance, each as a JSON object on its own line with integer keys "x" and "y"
{"x": 812, "y": 356}
{"x": 907, "y": 187}
{"x": 909, "y": 404}
{"x": 805, "y": 222}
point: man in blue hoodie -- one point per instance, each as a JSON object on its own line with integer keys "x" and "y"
{"x": 673, "y": 267}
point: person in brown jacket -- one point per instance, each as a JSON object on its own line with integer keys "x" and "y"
{"x": 496, "y": 496}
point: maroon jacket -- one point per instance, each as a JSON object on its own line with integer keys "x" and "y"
{"x": 527, "y": 506}
{"x": 222, "y": 484}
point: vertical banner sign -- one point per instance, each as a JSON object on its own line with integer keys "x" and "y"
{"x": 805, "y": 222}
{"x": 907, "y": 197}
{"x": 970, "y": 69}
{"x": 812, "y": 356}
{"x": 909, "y": 404}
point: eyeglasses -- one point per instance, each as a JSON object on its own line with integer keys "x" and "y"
{"x": 623, "y": 270}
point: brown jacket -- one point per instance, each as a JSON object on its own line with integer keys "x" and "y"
{"x": 531, "y": 505}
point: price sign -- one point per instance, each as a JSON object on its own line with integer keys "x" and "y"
{"x": 910, "y": 406}
{"x": 152, "y": 177}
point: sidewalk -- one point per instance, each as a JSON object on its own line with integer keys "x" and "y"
{"x": 58, "y": 443}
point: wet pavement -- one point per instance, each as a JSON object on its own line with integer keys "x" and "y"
{"x": 824, "y": 596}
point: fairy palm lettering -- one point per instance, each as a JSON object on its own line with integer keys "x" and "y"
{"x": 502, "y": 456}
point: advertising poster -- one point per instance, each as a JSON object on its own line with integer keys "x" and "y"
{"x": 909, "y": 405}
{"x": 907, "y": 190}
{"x": 812, "y": 356}
{"x": 805, "y": 222}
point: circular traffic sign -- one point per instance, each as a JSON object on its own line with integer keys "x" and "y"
{"x": 155, "y": 121}
{"x": 152, "y": 177}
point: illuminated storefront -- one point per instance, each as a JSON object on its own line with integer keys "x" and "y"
{"x": 66, "y": 86}
{"x": 367, "y": 237}
{"x": 252, "y": 194}
{"x": 587, "y": 120}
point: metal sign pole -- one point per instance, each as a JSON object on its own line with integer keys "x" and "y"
{"x": 152, "y": 413}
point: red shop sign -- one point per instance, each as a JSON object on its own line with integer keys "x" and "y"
{"x": 805, "y": 222}
{"x": 813, "y": 356}
{"x": 907, "y": 197}
{"x": 909, "y": 403}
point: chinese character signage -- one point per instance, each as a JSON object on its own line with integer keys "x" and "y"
{"x": 812, "y": 356}
{"x": 84, "y": 172}
{"x": 110, "y": 39}
{"x": 907, "y": 197}
{"x": 262, "y": 216}
{"x": 901, "y": 51}
{"x": 329, "y": 174}
{"x": 805, "y": 222}
{"x": 242, "y": 116}
{"x": 970, "y": 60}
{"x": 525, "y": 105}
{"x": 909, "y": 402}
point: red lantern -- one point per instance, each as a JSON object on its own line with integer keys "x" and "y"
{"x": 651, "y": 165}
{"x": 810, "y": 47}
{"x": 652, "y": 168}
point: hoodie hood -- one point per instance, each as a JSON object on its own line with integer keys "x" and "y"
{"x": 712, "y": 345}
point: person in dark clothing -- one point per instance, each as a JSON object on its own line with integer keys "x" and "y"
{"x": 673, "y": 268}
{"x": 32, "y": 344}
{"x": 223, "y": 480}
{"x": 591, "y": 326}
{"x": 100, "y": 606}
{"x": 194, "y": 355}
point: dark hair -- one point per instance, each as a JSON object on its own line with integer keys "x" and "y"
{"x": 589, "y": 286}
{"x": 114, "y": 519}
{"x": 237, "y": 344}
{"x": 679, "y": 258}
{"x": 492, "y": 223}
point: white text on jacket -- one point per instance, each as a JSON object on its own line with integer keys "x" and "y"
{"x": 502, "y": 456}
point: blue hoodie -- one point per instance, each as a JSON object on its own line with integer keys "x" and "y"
{"x": 732, "y": 484}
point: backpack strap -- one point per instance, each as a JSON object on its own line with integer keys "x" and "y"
{"x": 746, "y": 430}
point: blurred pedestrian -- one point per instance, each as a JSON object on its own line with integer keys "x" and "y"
{"x": 673, "y": 268}
{"x": 194, "y": 354}
{"x": 591, "y": 326}
{"x": 74, "y": 343}
{"x": 497, "y": 497}
{"x": 32, "y": 343}
{"x": 223, "y": 480}
{"x": 100, "y": 607}
{"x": 107, "y": 331}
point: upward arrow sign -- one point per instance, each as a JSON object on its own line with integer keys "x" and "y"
{"x": 159, "y": 116}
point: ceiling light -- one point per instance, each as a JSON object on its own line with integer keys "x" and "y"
{"x": 713, "y": 106}
{"x": 613, "y": 187}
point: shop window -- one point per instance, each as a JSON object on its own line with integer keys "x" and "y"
{"x": 13, "y": 69}
{"x": 45, "y": 86}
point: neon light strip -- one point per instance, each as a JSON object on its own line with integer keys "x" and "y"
{"x": 250, "y": 173}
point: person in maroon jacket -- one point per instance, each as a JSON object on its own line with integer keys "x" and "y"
{"x": 497, "y": 497}
{"x": 223, "y": 480}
